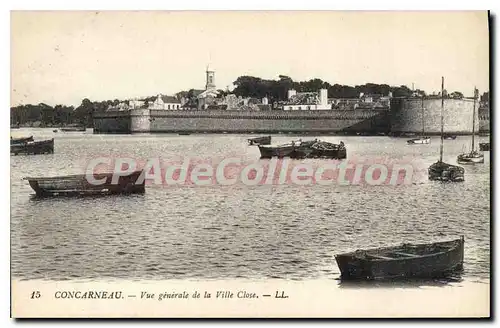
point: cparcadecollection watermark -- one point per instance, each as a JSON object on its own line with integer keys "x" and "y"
{"x": 234, "y": 171}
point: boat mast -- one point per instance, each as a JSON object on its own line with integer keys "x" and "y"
{"x": 423, "y": 118}
{"x": 442, "y": 120}
{"x": 473, "y": 119}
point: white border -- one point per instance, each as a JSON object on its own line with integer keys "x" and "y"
{"x": 190, "y": 5}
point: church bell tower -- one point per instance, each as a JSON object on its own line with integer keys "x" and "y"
{"x": 210, "y": 84}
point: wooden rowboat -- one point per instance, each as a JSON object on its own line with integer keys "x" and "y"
{"x": 35, "y": 147}
{"x": 15, "y": 141}
{"x": 259, "y": 141}
{"x": 74, "y": 129}
{"x": 432, "y": 260}
{"x": 79, "y": 185}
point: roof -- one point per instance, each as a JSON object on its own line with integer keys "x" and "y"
{"x": 170, "y": 100}
{"x": 306, "y": 98}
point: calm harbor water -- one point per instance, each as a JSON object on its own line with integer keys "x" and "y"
{"x": 234, "y": 232}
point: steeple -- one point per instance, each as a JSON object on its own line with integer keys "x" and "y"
{"x": 210, "y": 80}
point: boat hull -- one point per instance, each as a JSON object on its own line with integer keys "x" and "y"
{"x": 78, "y": 185}
{"x": 484, "y": 146}
{"x": 17, "y": 141}
{"x": 307, "y": 149}
{"x": 419, "y": 141}
{"x": 409, "y": 261}
{"x": 33, "y": 148}
{"x": 441, "y": 171}
{"x": 260, "y": 141}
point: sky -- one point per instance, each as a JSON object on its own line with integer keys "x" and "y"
{"x": 63, "y": 57}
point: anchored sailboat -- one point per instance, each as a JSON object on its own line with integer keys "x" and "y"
{"x": 474, "y": 157}
{"x": 441, "y": 171}
{"x": 423, "y": 140}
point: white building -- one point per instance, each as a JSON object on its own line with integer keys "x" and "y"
{"x": 307, "y": 100}
{"x": 165, "y": 103}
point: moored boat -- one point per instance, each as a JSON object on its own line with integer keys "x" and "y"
{"x": 449, "y": 137}
{"x": 419, "y": 141}
{"x": 33, "y": 147}
{"x": 15, "y": 141}
{"x": 423, "y": 140}
{"x": 473, "y": 157}
{"x": 74, "y": 129}
{"x": 79, "y": 185}
{"x": 484, "y": 146}
{"x": 431, "y": 260}
{"x": 259, "y": 141}
{"x": 305, "y": 149}
{"x": 441, "y": 171}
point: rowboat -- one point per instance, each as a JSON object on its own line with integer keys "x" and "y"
{"x": 484, "y": 146}
{"x": 259, "y": 141}
{"x": 305, "y": 149}
{"x": 15, "y": 141}
{"x": 441, "y": 171}
{"x": 79, "y": 185}
{"x": 33, "y": 147}
{"x": 449, "y": 137}
{"x": 419, "y": 141}
{"x": 74, "y": 129}
{"x": 431, "y": 260}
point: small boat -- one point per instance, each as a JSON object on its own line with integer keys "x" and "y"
{"x": 78, "y": 185}
{"x": 55, "y": 131}
{"x": 15, "y": 141}
{"x": 423, "y": 140}
{"x": 433, "y": 260}
{"x": 441, "y": 171}
{"x": 184, "y": 133}
{"x": 419, "y": 141}
{"x": 473, "y": 157}
{"x": 449, "y": 137}
{"x": 259, "y": 141}
{"x": 484, "y": 146}
{"x": 33, "y": 147}
{"x": 74, "y": 129}
{"x": 305, "y": 149}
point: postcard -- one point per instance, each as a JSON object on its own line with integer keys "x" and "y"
{"x": 250, "y": 164}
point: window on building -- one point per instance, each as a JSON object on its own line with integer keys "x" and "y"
{"x": 308, "y": 107}
{"x": 168, "y": 106}
{"x": 300, "y": 108}
{"x": 291, "y": 108}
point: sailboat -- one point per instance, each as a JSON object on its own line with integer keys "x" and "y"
{"x": 423, "y": 140}
{"x": 474, "y": 157}
{"x": 441, "y": 171}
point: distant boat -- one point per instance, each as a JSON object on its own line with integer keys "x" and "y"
{"x": 484, "y": 146}
{"x": 305, "y": 149}
{"x": 449, "y": 137}
{"x": 74, "y": 129}
{"x": 473, "y": 157}
{"x": 431, "y": 260}
{"x": 34, "y": 147}
{"x": 15, "y": 141}
{"x": 78, "y": 185}
{"x": 184, "y": 133}
{"x": 423, "y": 140}
{"x": 441, "y": 171}
{"x": 259, "y": 141}
{"x": 55, "y": 131}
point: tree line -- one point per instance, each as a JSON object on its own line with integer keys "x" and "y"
{"x": 245, "y": 86}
